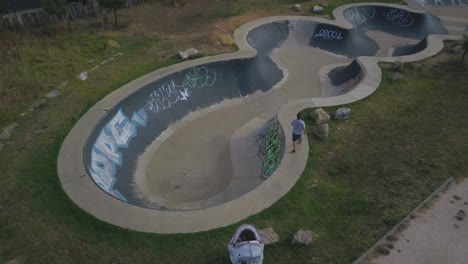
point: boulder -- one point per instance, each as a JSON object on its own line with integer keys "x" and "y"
{"x": 113, "y": 44}
{"x": 298, "y": 7}
{"x": 6, "y": 132}
{"x": 319, "y": 116}
{"x": 321, "y": 131}
{"x": 303, "y": 237}
{"x": 317, "y": 9}
{"x": 53, "y": 93}
{"x": 226, "y": 40}
{"x": 395, "y": 76}
{"x": 188, "y": 53}
{"x": 269, "y": 236}
{"x": 342, "y": 113}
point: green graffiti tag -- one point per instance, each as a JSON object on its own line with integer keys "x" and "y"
{"x": 271, "y": 147}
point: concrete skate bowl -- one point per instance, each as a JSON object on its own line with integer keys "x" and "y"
{"x": 201, "y": 144}
{"x": 130, "y": 154}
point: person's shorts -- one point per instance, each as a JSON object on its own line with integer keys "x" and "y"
{"x": 296, "y": 137}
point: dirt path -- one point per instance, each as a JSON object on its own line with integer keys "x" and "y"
{"x": 437, "y": 235}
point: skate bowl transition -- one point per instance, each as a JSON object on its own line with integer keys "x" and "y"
{"x": 205, "y": 143}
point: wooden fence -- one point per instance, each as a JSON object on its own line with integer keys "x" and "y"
{"x": 75, "y": 10}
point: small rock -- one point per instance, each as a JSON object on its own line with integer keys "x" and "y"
{"x": 317, "y": 9}
{"x": 460, "y": 215}
{"x": 188, "y": 53}
{"x": 321, "y": 131}
{"x": 1, "y": 147}
{"x": 53, "y": 93}
{"x": 319, "y": 116}
{"x": 269, "y": 236}
{"x": 113, "y": 44}
{"x": 94, "y": 68}
{"x": 303, "y": 237}
{"x": 298, "y": 7}
{"x": 395, "y": 76}
{"x": 118, "y": 54}
{"x": 22, "y": 114}
{"x": 62, "y": 85}
{"x": 226, "y": 40}
{"x": 83, "y": 76}
{"x": 342, "y": 113}
{"x": 6, "y": 133}
{"x": 323, "y": 3}
{"x": 398, "y": 66}
{"x": 38, "y": 103}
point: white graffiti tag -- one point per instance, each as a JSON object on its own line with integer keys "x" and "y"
{"x": 170, "y": 93}
{"x": 399, "y": 17}
{"x": 328, "y": 34}
{"x": 105, "y": 154}
{"x": 359, "y": 15}
{"x": 422, "y": 2}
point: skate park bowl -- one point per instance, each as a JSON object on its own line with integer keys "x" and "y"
{"x": 204, "y": 143}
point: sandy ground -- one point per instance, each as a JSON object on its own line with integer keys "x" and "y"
{"x": 437, "y": 235}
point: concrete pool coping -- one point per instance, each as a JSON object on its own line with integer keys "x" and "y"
{"x": 88, "y": 196}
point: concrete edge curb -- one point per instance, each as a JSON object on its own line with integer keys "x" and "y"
{"x": 396, "y": 228}
{"x": 84, "y": 193}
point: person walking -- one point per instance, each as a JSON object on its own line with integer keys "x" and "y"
{"x": 298, "y": 129}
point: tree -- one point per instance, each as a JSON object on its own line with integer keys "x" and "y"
{"x": 113, "y": 5}
{"x": 464, "y": 46}
{"x": 54, "y": 7}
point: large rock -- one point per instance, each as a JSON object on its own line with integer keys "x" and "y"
{"x": 188, "y": 53}
{"x": 297, "y": 7}
{"x": 342, "y": 113}
{"x": 303, "y": 237}
{"x": 319, "y": 116}
{"x": 269, "y": 236}
{"x": 6, "y": 132}
{"x": 317, "y": 9}
{"x": 395, "y": 76}
{"x": 226, "y": 39}
{"x": 321, "y": 131}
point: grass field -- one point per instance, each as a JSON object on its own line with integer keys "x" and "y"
{"x": 400, "y": 144}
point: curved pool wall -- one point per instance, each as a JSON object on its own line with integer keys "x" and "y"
{"x": 116, "y": 142}
{"x": 344, "y": 78}
{"x": 404, "y": 50}
{"x": 392, "y": 20}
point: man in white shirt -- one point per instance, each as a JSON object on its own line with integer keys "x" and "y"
{"x": 298, "y": 129}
